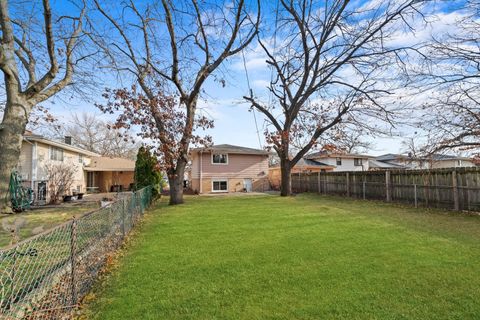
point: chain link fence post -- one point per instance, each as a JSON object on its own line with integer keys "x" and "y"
{"x": 73, "y": 252}
{"x": 123, "y": 218}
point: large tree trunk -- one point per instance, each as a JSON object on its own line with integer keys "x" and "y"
{"x": 11, "y": 135}
{"x": 286, "y": 186}
{"x": 175, "y": 181}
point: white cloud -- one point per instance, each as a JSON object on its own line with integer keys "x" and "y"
{"x": 255, "y": 58}
{"x": 260, "y": 83}
{"x": 438, "y": 26}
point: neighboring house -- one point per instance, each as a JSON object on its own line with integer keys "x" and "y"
{"x": 375, "y": 165}
{"x": 436, "y": 161}
{"x": 228, "y": 168}
{"x": 342, "y": 161}
{"x": 37, "y": 151}
{"x": 302, "y": 166}
{"x": 106, "y": 174}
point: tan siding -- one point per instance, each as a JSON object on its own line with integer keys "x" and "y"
{"x": 71, "y": 157}
{"x": 239, "y": 166}
{"x": 234, "y": 184}
{"x": 275, "y": 174}
{"x": 195, "y": 170}
{"x": 24, "y": 165}
{"x": 195, "y": 185}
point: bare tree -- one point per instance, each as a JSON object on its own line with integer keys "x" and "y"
{"x": 90, "y": 132}
{"x": 60, "y": 177}
{"x": 346, "y": 140}
{"x": 328, "y": 68}
{"x": 29, "y": 77}
{"x": 171, "y": 48}
{"x": 450, "y": 71}
{"x": 354, "y": 141}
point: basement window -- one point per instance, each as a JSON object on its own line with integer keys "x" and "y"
{"x": 219, "y": 185}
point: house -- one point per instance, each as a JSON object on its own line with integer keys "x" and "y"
{"x": 435, "y": 161}
{"x": 342, "y": 161}
{"x": 228, "y": 168}
{"x": 93, "y": 172}
{"x": 302, "y": 166}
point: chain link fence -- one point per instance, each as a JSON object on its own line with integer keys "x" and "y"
{"x": 45, "y": 276}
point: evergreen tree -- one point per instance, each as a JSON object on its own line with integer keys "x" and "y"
{"x": 147, "y": 172}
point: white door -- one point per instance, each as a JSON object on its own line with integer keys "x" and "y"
{"x": 247, "y": 184}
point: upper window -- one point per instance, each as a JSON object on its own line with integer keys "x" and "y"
{"x": 339, "y": 161}
{"x": 357, "y": 162}
{"x": 56, "y": 154}
{"x": 220, "y": 158}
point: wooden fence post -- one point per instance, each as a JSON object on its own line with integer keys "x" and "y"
{"x": 364, "y": 196}
{"x": 387, "y": 186}
{"x": 318, "y": 182}
{"x": 348, "y": 183}
{"x": 456, "y": 204}
{"x": 326, "y": 184}
{"x": 415, "y": 195}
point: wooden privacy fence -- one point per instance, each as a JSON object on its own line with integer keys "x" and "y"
{"x": 454, "y": 188}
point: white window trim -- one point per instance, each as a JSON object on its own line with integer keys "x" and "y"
{"x": 220, "y": 180}
{"x": 359, "y": 162}
{"x": 219, "y": 164}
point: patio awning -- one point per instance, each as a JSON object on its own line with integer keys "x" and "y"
{"x": 110, "y": 164}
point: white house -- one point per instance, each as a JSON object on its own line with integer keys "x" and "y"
{"x": 342, "y": 161}
{"x": 436, "y": 161}
{"x": 93, "y": 172}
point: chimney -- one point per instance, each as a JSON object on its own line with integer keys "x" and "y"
{"x": 68, "y": 140}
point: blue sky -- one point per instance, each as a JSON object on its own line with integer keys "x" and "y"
{"x": 234, "y": 123}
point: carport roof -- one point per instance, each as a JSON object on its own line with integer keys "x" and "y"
{"x": 110, "y": 164}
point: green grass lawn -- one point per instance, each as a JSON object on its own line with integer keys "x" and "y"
{"x": 305, "y": 257}
{"x": 42, "y": 219}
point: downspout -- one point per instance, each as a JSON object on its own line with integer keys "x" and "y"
{"x": 34, "y": 162}
{"x": 201, "y": 169}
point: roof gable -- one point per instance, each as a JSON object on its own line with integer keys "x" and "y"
{"x": 69, "y": 147}
{"x": 323, "y": 155}
{"x": 229, "y": 148}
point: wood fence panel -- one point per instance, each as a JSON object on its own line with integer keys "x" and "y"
{"x": 439, "y": 188}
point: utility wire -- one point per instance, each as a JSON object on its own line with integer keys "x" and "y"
{"x": 251, "y": 94}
